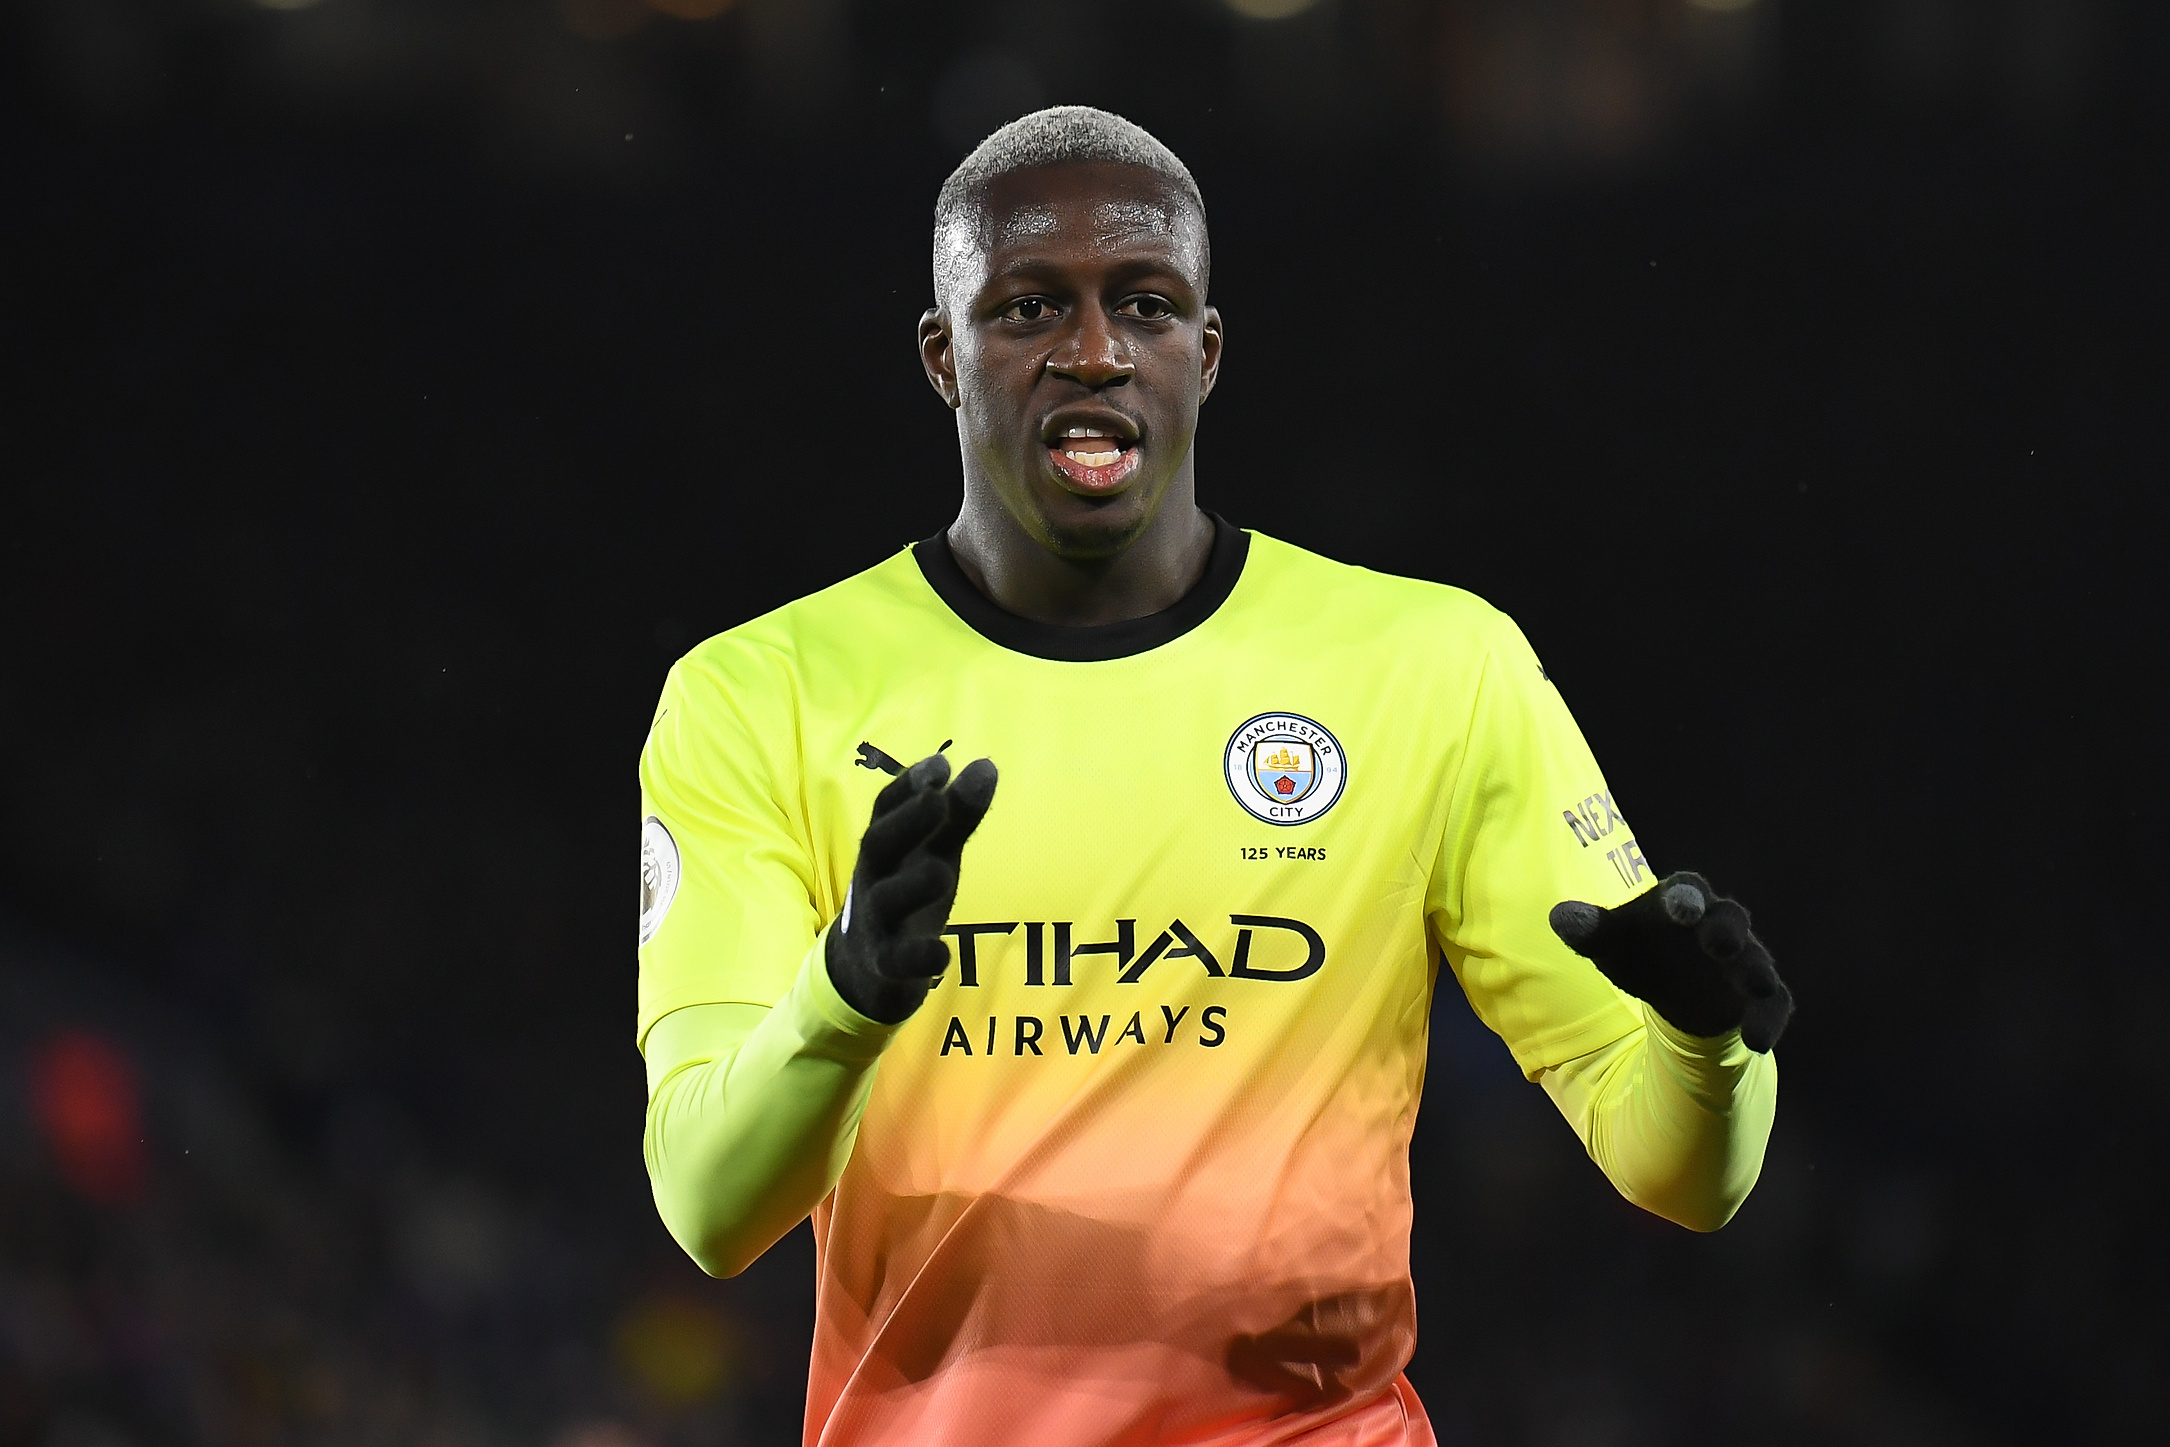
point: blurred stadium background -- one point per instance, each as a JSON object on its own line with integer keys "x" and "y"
{"x": 397, "y": 386}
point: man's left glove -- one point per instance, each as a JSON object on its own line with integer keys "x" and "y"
{"x": 1687, "y": 952}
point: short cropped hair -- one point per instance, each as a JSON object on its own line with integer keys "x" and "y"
{"x": 1056, "y": 136}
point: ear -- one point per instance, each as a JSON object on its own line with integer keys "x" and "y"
{"x": 937, "y": 354}
{"x": 1212, "y": 348}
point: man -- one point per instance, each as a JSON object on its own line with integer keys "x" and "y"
{"x": 1104, "y": 1123}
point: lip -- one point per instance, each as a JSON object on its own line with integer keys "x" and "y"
{"x": 1092, "y": 481}
{"x": 1096, "y": 481}
{"x": 1106, "y": 419}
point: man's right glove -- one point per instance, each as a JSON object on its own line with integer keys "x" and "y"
{"x": 887, "y": 949}
{"x": 1686, "y": 951}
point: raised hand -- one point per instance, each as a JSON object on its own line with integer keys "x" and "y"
{"x": 887, "y": 947}
{"x": 1686, "y": 951}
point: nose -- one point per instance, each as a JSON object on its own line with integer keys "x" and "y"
{"x": 1092, "y": 353}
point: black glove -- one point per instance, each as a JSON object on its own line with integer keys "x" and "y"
{"x": 1687, "y": 952}
{"x": 887, "y": 947}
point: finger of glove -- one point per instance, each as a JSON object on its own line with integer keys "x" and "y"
{"x": 1765, "y": 1001}
{"x": 969, "y": 799}
{"x": 1597, "y": 933}
{"x": 1639, "y": 946}
{"x": 928, "y": 773}
{"x": 929, "y": 917}
{"x": 931, "y": 772}
{"x": 1593, "y": 933}
{"x": 912, "y": 957}
{"x": 1751, "y": 972}
{"x": 895, "y": 792}
{"x": 1685, "y": 897}
{"x": 1724, "y": 932}
{"x": 1662, "y": 914}
{"x": 1764, "y": 1020}
{"x": 922, "y": 881}
{"x": 1577, "y": 924}
{"x": 895, "y": 834}
{"x": 928, "y": 921}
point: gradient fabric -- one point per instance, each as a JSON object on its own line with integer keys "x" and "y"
{"x": 1138, "y": 1169}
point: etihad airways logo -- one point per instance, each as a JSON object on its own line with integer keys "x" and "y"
{"x": 1052, "y": 953}
{"x": 1266, "y": 947}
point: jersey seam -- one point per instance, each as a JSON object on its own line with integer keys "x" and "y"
{"x": 1469, "y": 730}
{"x": 1557, "y": 1039}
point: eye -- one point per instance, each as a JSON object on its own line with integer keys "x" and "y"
{"x": 1029, "y": 309}
{"x": 1148, "y": 308}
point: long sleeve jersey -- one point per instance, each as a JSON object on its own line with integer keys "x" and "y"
{"x": 1137, "y": 1170}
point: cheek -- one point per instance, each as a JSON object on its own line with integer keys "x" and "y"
{"x": 990, "y": 387}
{"x": 1178, "y": 374}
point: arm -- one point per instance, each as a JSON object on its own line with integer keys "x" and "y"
{"x": 760, "y": 1027}
{"x": 1677, "y": 1115}
{"x": 1677, "y": 1118}
{"x": 1677, "y": 1122}
{"x": 752, "y": 1113}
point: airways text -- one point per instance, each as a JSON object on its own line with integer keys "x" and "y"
{"x": 1082, "y": 1034}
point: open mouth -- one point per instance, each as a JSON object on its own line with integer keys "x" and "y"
{"x": 1094, "y": 458}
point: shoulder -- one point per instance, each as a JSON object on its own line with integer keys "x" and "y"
{"x": 748, "y": 688}
{"x": 865, "y": 610}
{"x": 1383, "y": 606}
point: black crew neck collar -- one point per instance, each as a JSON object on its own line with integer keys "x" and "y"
{"x": 1098, "y": 644}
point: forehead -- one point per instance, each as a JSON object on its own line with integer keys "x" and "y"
{"x": 1078, "y": 213}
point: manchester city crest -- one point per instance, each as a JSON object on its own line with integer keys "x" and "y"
{"x": 1284, "y": 768}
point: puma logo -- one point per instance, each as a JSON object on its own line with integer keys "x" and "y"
{"x": 873, "y": 758}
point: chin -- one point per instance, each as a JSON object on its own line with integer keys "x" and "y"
{"x": 1088, "y": 529}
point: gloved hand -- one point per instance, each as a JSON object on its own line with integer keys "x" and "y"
{"x": 1687, "y": 952}
{"x": 887, "y": 947}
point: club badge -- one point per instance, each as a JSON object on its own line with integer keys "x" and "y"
{"x": 1284, "y": 768}
{"x": 658, "y": 875}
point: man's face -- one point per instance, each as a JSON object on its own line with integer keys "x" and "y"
{"x": 1075, "y": 343}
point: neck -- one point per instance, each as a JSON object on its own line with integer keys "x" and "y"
{"x": 1151, "y": 571}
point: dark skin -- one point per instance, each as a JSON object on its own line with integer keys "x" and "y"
{"x": 1083, "y": 306}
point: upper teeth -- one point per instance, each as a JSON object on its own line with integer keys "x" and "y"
{"x": 1087, "y": 432}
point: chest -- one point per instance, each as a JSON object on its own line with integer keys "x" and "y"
{"x": 1233, "y": 822}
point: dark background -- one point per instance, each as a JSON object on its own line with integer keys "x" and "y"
{"x": 395, "y": 387}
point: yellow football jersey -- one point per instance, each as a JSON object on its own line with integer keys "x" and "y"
{"x": 1138, "y": 1168}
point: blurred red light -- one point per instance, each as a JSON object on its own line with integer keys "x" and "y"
{"x": 83, "y": 1096}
